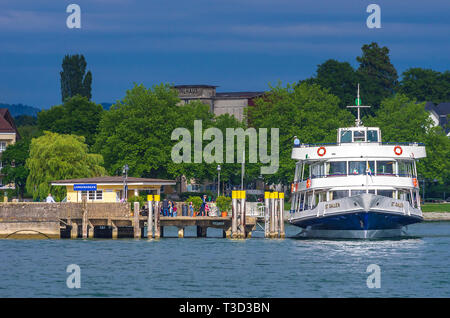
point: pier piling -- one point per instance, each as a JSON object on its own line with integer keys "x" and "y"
{"x": 267, "y": 214}
{"x": 157, "y": 225}
{"x": 281, "y": 217}
{"x": 150, "y": 216}
{"x": 137, "y": 229}
{"x": 234, "y": 196}
{"x": 74, "y": 230}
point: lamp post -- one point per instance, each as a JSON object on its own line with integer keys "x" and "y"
{"x": 218, "y": 180}
{"x": 125, "y": 177}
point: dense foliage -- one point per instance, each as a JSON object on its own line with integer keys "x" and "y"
{"x": 74, "y": 79}
{"x": 14, "y": 169}
{"x": 77, "y": 116}
{"x": 57, "y": 157}
{"x": 306, "y": 111}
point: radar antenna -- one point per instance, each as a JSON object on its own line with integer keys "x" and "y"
{"x": 358, "y": 105}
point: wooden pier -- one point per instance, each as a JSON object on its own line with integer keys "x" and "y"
{"x": 78, "y": 220}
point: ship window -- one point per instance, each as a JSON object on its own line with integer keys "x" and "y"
{"x": 371, "y": 166}
{"x": 317, "y": 170}
{"x": 356, "y": 167}
{"x": 405, "y": 168}
{"x": 346, "y": 136}
{"x": 338, "y": 194}
{"x": 386, "y": 193}
{"x": 336, "y": 168}
{"x": 372, "y": 136}
{"x": 371, "y": 191}
{"x": 357, "y": 192}
{"x": 385, "y": 167}
{"x": 358, "y": 136}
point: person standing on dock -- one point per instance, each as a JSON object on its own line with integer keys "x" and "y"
{"x": 50, "y": 199}
{"x": 191, "y": 208}
{"x": 165, "y": 207}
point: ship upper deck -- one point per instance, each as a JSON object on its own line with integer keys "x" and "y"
{"x": 358, "y": 142}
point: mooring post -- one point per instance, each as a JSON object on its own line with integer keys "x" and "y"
{"x": 150, "y": 216}
{"x": 84, "y": 219}
{"x": 242, "y": 222}
{"x": 277, "y": 214}
{"x": 234, "y": 214}
{"x": 272, "y": 215}
{"x": 267, "y": 214}
{"x": 74, "y": 230}
{"x": 281, "y": 207}
{"x": 91, "y": 230}
{"x": 156, "y": 197}
{"x": 137, "y": 231}
{"x": 115, "y": 230}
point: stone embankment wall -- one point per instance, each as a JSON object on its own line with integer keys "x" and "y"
{"x": 44, "y": 219}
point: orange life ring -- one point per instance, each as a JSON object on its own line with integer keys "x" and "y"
{"x": 308, "y": 183}
{"x": 398, "y": 150}
{"x": 321, "y": 151}
{"x": 415, "y": 182}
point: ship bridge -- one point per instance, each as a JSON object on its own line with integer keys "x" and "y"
{"x": 358, "y": 142}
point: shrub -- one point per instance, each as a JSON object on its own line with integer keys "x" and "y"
{"x": 139, "y": 199}
{"x": 223, "y": 203}
{"x": 196, "y": 202}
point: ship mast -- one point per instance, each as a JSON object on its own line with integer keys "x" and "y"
{"x": 358, "y": 105}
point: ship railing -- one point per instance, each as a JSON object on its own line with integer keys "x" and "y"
{"x": 403, "y": 143}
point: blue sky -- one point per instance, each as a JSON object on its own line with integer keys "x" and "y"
{"x": 236, "y": 44}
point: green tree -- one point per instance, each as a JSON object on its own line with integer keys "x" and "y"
{"x": 137, "y": 131}
{"x": 14, "y": 169}
{"x": 425, "y": 85}
{"x": 339, "y": 77}
{"x": 77, "y": 116}
{"x": 377, "y": 76}
{"x": 402, "y": 119}
{"x": 25, "y": 120}
{"x": 74, "y": 79}
{"x": 57, "y": 157}
{"x": 306, "y": 111}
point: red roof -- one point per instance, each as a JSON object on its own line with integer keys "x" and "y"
{"x": 7, "y": 122}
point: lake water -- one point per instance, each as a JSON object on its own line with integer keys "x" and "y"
{"x": 417, "y": 266}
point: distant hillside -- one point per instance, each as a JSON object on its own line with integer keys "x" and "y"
{"x": 19, "y": 109}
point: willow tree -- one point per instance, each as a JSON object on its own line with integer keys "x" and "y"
{"x": 56, "y": 157}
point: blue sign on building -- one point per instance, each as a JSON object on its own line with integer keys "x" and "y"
{"x": 85, "y": 187}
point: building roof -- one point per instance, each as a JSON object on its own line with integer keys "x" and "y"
{"x": 238, "y": 95}
{"x": 7, "y": 124}
{"x": 115, "y": 180}
{"x": 441, "y": 111}
{"x": 195, "y": 86}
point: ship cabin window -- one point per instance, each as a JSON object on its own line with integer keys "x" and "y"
{"x": 386, "y": 193}
{"x": 372, "y": 136}
{"x": 346, "y": 136}
{"x": 336, "y": 168}
{"x": 317, "y": 170}
{"x": 357, "y": 167}
{"x": 359, "y": 136}
{"x": 405, "y": 168}
{"x": 338, "y": 194}
{"x": 357, "y": 192}
{"x": 385, "y": 167}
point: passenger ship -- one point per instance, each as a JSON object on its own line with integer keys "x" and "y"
{"x": 359, "y": 187}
